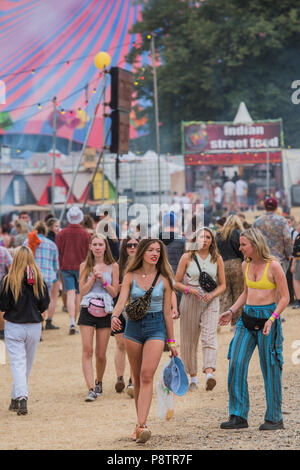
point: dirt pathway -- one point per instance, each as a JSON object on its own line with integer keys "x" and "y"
{"x": 59, "y": 418}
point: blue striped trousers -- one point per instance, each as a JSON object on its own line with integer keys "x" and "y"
{"x": 240, "y": 352}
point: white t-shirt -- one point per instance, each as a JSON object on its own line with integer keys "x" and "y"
{"x": 241, "y": 187}
{"x": 229, "y": 187}
{"x": 218, "y": 194}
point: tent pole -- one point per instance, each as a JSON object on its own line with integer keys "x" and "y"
{"x": 96, "y": 168}
{"x": 81, "y": 154}
{"x": 53, "y": 157}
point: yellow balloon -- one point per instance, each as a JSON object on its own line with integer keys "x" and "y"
{"x": 101, "y": 60}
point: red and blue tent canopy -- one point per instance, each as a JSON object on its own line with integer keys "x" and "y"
{"x": 47, "y": 50}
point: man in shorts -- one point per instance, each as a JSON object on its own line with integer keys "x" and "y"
{"x": 72, "y": 243}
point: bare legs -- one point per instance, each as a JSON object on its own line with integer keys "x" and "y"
{"x": 102, "y": 338}
{"x": 144, "y": 360}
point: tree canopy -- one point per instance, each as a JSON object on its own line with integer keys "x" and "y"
{"x": 213, "y": 55}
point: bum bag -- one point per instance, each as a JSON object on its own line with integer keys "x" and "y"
{"x": 252, "y": 323}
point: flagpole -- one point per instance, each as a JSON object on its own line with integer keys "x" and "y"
{"x": 156, "y": 114}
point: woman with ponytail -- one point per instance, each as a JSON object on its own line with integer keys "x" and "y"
{"x": 23, "y": 297}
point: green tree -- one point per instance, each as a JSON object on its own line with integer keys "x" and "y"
{"x": 215, "y": 54}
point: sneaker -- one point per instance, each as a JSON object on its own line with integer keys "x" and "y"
{"x": 91, "y": 396}
{"x": 22, "y": 408}
{"x": 193, "y": 387}
{"x": 235, "y": 422}
{"x": 65, "y": 309}
{"x": 73, "y": 330}
{"x": 296, "y": 305}
{"x": 210, "y": 383}
{"x": 143, "y": 434}
{"x": 270, "y": 426}
{"x": 14, "y": 405}
{"x": 120, "y": 384}
{"x": 130, "y": 389}
{"x": 50, "y": 326}
{"x": 98, "y": 388}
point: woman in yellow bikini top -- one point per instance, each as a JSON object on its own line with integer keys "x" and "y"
{"x": 254, "y": 247}
{"x": 263, "y": 283}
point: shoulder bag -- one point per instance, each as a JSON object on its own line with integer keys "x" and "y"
{"x": 205, "y": 280}
{"x": 140, "y": 306}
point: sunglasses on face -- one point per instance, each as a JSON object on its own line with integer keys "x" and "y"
{"x": 131, "y": 245}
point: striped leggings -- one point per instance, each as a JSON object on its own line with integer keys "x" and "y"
{"x": 240, "y": 352}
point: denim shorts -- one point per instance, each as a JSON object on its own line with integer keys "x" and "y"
{"x": 151, "y": 326}
{"x": 71, "y": 280}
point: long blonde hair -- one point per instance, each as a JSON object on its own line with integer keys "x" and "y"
{"x": 14, "y": 279}
{"x": 90, "y": 259}
{"x": 259, "y": 243}
{"x": 233, "y": 222}
{"x": 163, "y": 266}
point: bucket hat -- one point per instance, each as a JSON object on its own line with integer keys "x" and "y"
{"x": 175, "y": 377}
{"x": 74, "y": 215}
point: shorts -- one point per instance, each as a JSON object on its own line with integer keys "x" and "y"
{"x": 86, "y": 319}
{"x": 151, "y": 326}
{"x": 296, "y": 275}
{"x": 71, "y": 280}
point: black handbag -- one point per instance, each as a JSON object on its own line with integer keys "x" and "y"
{"x": 252, "y": 323}
{"x": 140, "y": 306}
{"x": 205, "y": 280}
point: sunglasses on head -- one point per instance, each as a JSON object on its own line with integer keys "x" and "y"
{"x": 132, "y": 245}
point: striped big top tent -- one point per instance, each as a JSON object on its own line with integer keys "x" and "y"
{"x": 47, "y": 50}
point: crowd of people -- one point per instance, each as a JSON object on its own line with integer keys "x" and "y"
{"x": 228, "y": 272}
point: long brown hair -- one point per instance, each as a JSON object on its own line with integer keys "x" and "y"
{"x": 213, "y": 249}
{"x": 89, "y": 262}
{"x": 123, "y": 258}
{"x": 14, "y": 279}
{"x": 163, "y": 266}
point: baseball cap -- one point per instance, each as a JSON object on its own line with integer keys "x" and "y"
{"x": 169, "y": 220}
{"x": 271, "y": 204}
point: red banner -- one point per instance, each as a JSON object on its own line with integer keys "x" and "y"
{"x": 215, "y": 137}
{"x": 232, "y": 158}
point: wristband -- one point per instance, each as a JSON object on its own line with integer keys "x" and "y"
{"x": 272, "y": 319}
{"x": 170, "y": 341}
{"x": 229, "y": 310}
{"x": 106, "y": 284}
{"x": 187, "y": 290}
{"x": 274, "y": 314}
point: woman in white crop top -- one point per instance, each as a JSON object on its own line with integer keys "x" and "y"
{"x": 200, "y": 309}
{"x": 98, "y": 279}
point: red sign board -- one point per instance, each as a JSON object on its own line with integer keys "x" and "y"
{"x": 231, "y": 144}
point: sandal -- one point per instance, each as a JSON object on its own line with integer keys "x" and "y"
{"x": 143, "y": 434}
{"x": 133, "y": 435}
